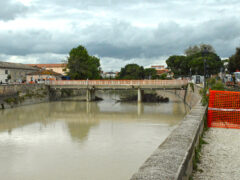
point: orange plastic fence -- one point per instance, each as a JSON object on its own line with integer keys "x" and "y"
{"x": 224, "y": 109}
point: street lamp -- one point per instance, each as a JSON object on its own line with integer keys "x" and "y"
{"x": 204, "y": 53}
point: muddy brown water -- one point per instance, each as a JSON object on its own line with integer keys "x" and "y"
{"x": 83, "y": 141}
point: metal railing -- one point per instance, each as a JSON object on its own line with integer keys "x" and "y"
{"x": 119, "y": 82}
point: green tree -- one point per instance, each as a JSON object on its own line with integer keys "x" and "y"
{"x": 194, "y": 61}
{"x": 150, "y": 73}
{"x": 213, "y": 63}
{"x": 163, "y": 76}
{"x": 81, "y": 65}
{"x": 179, "y": 65}
{"x": 198, "y": 48}
{"x": 234, "y": 61}
{"x": 131, "y": 71}
{"x": 192, "y": 50}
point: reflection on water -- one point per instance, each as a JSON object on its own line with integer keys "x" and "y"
{"x": 79, "y": 140}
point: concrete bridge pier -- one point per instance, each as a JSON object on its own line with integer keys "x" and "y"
{"x": 140, "y": 109}
{"x": 140, "y": 95}
{"x": 90, "y": 95}
{"x": 88, "y": 108}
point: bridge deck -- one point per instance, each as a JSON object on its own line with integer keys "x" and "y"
{"x": 119, "y": 84}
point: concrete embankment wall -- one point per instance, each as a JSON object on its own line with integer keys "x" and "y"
{"x": 191, "y": 96}
{"x": 22, "y": 94}
{"x": 65, "y": 94}
{"x": 173, "y": 159}
{"x": 26, "y": 94}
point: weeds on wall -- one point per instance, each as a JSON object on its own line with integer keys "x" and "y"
{"x": 192, "y": 86}
{"x": 212, "y": 84}
{"x": 198, "y": 148}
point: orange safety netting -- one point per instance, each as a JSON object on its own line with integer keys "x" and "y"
{"x": 224, "y": 109}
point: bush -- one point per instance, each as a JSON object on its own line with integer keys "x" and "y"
{"x": 212, "y": 84}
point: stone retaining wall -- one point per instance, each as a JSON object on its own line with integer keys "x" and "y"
{"x": 22, "y": 94}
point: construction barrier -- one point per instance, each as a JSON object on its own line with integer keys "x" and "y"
{"x": 224, "y": 109}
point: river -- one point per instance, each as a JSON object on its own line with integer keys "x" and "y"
{"x": 83, "y": 141}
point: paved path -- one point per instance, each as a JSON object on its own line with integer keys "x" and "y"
{"x": 220, "y": 159}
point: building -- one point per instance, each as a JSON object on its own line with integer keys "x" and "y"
{"x": 160, "y": 69}
{"x": 58, "y": 68}
{"x": 109, "y": 75}
{"x": 14, "y": 72}
{"x": 43, "y": 76}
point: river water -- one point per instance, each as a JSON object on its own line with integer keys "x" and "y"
{"x": 73, "y": 140}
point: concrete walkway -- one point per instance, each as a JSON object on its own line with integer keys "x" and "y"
{"x": 220, "y": 158}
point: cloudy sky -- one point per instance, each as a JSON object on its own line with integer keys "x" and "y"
{"x": 117, "y": 31}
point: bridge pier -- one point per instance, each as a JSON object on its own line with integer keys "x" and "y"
{"x": 140, "y": 108}
{"x": 90, "y": 95}
{"x": 140, "y": 95}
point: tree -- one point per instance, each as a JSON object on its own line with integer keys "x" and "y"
{"x": 192, "y": 50}
{"x": 179, "y": 65}
{"x": 194, "y": 61}
{"x": 234, "y": 61}
{"x": 150, "y": 73}
{"x": 163, "y": 76}
{"x": 213, "y": 63}
{"x": 198, "y": 48}
{"x": 81, "y": 65}
{"x": 131, "y": 71}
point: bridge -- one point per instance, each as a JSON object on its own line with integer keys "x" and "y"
{"x": 140, "y": 85}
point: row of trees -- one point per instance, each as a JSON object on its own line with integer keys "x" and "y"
{"x": 193, "y": 61}
{"x": 134, "y": 71}
{"x": 81, "y": 65}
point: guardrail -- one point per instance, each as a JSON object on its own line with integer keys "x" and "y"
{"x": 119, "y": 82}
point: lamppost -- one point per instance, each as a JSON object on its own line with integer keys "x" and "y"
{"x": 204, "y": 53}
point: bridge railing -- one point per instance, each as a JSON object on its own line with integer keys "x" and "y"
{"x": 119, "y": 82}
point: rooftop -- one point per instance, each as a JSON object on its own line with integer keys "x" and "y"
{"x": 8, "y": 65}
{"x": 47, "y": 65}
{"x": 45, "y": 72}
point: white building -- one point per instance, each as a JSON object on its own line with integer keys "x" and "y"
{"x": 109, "y": 75}
{"x": 3, "y": 76}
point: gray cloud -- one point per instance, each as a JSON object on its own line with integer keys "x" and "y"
{"x": 119, "y": 30}
{"x": 122, "y": 40}
{"x": 11, "y": 9}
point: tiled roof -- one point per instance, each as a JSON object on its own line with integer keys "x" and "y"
{"x": 48, "y": 65}
{"x": 45, "y": 72}
{"x": 157, "y": 66}
{"x": 16, "y": 66}
{"x": 161, "y": 71}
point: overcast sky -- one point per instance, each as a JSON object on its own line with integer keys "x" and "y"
{"x": 117, "y": 31}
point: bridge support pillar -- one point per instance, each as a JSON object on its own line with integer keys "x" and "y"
{"x": 140, "y": 108}
{"x": 90, "y": 95}
{"x": 140, "y": 95}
